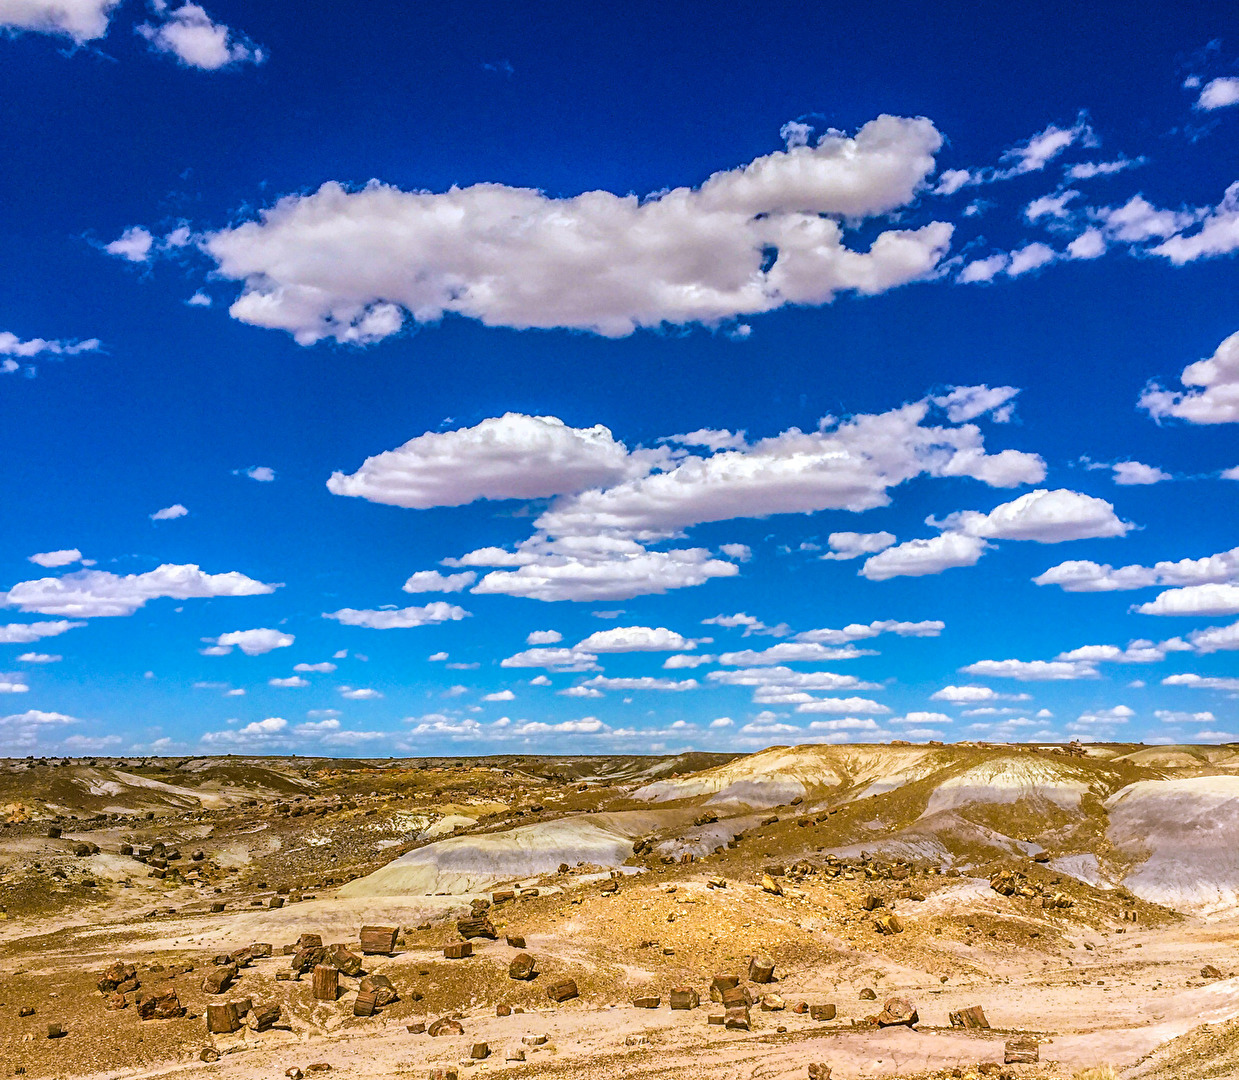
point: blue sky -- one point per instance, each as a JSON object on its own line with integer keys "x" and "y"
{"x": 459, "y": 380}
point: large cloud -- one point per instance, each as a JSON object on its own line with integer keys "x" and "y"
{"x": 847, "y": 465}
{"x": 82, "y": 20}
{"x": 353, "y": 264}
{"x": 507, "y": 457}
{"x": 25, "y": 633}
{"x": 1085, "y": 576}
{"x": 1217, "y": 400}
{"x": 94, "y": 593}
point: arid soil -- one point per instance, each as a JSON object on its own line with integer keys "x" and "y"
{"x": 1086, "y": 899}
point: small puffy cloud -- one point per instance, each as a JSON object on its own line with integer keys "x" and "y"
{"x": 964, "y": 403}
{"x": 1138, "y": 652}
{"x": 581, "y": 692}
{"x": 1219, "y": 93}
{"x": 984, "y": 270}
{"x": 264, "y": 474}
{"x": 865, "y": 706}
{"x": 97, "y": 593}
{"x": 1046, "y": 145}
{"x": 1118, "y": 714}
{"x": 915, "y": 558}
{"x": 200, "y": 299}
{"x": 920, "y": 719}
{"x": 1032, "y": 670}
{"x": 1090, "y": 244}
{"x": 134, "y": 245}
{"x": 81, "y": 20}
{"x": 1046, "y": 517}
{"x": 790, "y": 652}
{"x": 364, "y": 693}
{"x": 1030, "y": 257}
{"x": 1128, "y": 473}
{"x": 500, "y": 695}
{"x": 1217, "y": 235}
{"x": 1217, "y": 399}
{"x": 962, "y": 694}
{"x": 1201, "y": 682}
{"x": 1086, "y": 576}
{"x": 251, "y": 642}
{"x": 271, "y": 730}
{"x": 1214, "y": 639}
{"x": 688, "y": 660}
{"x": 644, "y": 682}
{"x": 782, "y": 685}
{"x": 10, "y": 685}
{"x": 325, "y": 668}
{"x": 539, "y": 680}
{"x": 588, "y": 569}
{"x": 425, "y": 581}
{"x": 750, "y": 624}
{"x": 435, "y": 658}
{"x": 1087, "y": 170}
{"x": 1169, "y": 716}
{"x": 168, "y": 513}
{"x": 189, "y": 34}
{"x": 399, "y": 618}
{"x": 52, "y": 559}
{"x": 861, "y": 631}
{"x": 544, "y": 637}
{"x": 851, "y": 545}
{"x": 291, "y": 682}
{"x": 1051, "y": 206}
{"x": 315, "y": 728}
{"x": 1194, "y": 600}
{"x": 722, "y": 722}
{"x": 709, "y": 438}
{"x": 39, "y": 658}
{"x": 553, "y": 659}
{"x": 621, "y": 639}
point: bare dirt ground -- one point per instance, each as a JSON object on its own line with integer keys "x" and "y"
{"x": 1015, "y": 876}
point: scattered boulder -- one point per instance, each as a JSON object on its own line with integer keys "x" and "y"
{"x": 888, "y": 924}
{"x": 819, "y": 1070}
{"x": 160, "y": 1007}
{"x": 773, "y": 1003}
{"x": 516, "y": 941}
{"x": 768, "y": 884}
{"x": 445, "y": 1025}
{"x": 347, "y": 961}
{"x": 379, "y": 940}
{"x": 218, "y": 980}
{"x": 563, "y": 990}
{"x": 972, "y": 1018}
{"x": 221, "y": 1018}
{"x": 478, "y": 927}
{"x": 521, "y": 967}
{"x": 1021, "y": 1050}
{"x": 737, "y": 1018}
{"x": 822, "y": 1012}
{"x": 265, "y": 1017}
{"x": 480, "y": 1051}
{"x": 761, "y": 969}
{"x": 117, "y": 975}
{"x": 382, "y": 989}
{"x": 897, "y": 1012}
{"x": 685, "y": 997}
{"x": 1210, "y": 972}
{"x": 458, "y": 950}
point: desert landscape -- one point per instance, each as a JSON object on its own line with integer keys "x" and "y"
{"x": 845, "y": 911}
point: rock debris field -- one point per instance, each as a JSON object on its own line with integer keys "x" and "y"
{"x": 818, "y": 912}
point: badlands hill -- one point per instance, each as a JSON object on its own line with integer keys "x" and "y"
{"x": 1086, "y": 897}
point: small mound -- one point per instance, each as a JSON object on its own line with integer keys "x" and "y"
{"x": 1010, "y": 780}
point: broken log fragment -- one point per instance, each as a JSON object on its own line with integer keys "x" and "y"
{"x": 445, "y": 1025}
{"x": 221, "y": 1018}
{"x": 326, "y": 982}
{"x": 685, "y": 997}
{"x": 562, "y": 990}
{"x": 219, "y": 979}
{"x": 521, "y": 967}
{"x": 972, "y": 1018}
{"x": 761, "y": 969}
{"x": 821, "y": 1012}
{"x": 737, "y": 1018}
{"x": 458, "y": 950}
{"x": 1021, "y": 1050}
{"x": 382, "y": 988}
{"x": 365, "y": 1003}
{"x": 648, "y": 1001}
{"x": 479, "y": 927}
{"x": 160, "y": 1007}
{"x": 265, "y": 1016}
{"x": 379, "y": 939}
{"x": 897, "y": 1012}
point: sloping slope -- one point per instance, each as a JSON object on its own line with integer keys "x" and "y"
{"x": 472, "y": 863}
{"x": 1184, "y": 837}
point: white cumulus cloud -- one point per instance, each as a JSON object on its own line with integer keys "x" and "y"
{"x": 251, "y": 642}
{"x": 82, "y": 20}
{"x": 354, "y": 264}
{"x": 94, "y": 593}
{"x": 1217, "y": 400}
{"x": 635, "y": 639}
{"x": 1194, "y": 600}
{"x": 425, "y": 581}
{"x": 399, "y": 618}
{"x": 197, "y": 41}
